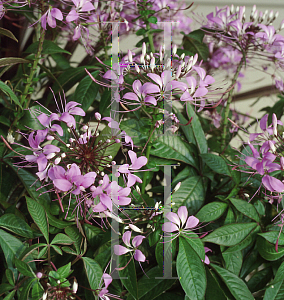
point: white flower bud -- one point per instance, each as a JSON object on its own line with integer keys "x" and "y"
{"x": 98, "y": 116}
{"x": 50, "y": 155}
{"x": 10, "y": 138}
{"x": 57, "y": 160}
{"x": 50, "y": 138}
{"x": 71, "y": 140}
{"x": 135, "y": 228}
{"x": 152, "y": 63}
{"x": 129, "y": 54}
{"x": 63, "y": 155}
{"x": 142, "y": 60}
{"x": 143, "y": 49}
{"x": 44, "y": 296}
{"x": 274, "y": 124}
{"x": 75, "y": 287}
{"x": 182, "y": 56}
{"x": 177, "y": 187}
{"x": 174, "y": 49}
{"x": 137, "y": 68}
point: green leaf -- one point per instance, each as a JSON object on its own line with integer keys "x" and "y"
{"x": 164, "y": 250}
{"x": 10, "y": 277}
{"x": 37, "y": 291}
{"x": 7, "y": 61}
{"x": 236, "y": 286}
{"x": 173, "y": 147}
{"x": 195, "y": 46}
{"x": 6, "y": 89}
{"x": 233, "y": 261}
{"x": 48, "y": 47}
{"x": 10, "y": 246}
{"x": 38, "y": 214}
{"x": 153, "y": 285}
{"x": 64, "y": 271}
{"x": 10, "y": 296}
{"x": 211, "y": 211}
{"x": 216, "y": 163}
{"x": 53, "y": 221}
{"x": 213, "y": 291}
{"x": 86, "y": 91}
{"x": 24, "y": 295}
{"x": 24, "y": 268}
{"x": 191, "y": 271}
{"x": 196, "y": 244}
{"x": 198, "y": 132}
{"x": 128, "y": 275}
{"x": 141, "y": 31}
{"x": 152, "y": 20}
{"x": 231, "y": 234}
{"x": 75, "y": 236}
{"x": 245, "y": 208}
{"x": 5, "y": 287}
{"x": 28, "y": 181}
{"x": 62, "y": 239}
{"x": 197, "y": 35}
{"x": 246, "y": 242}
{"x": 17, "y": 225}
{"x": 8, "y": 33}
{"x": 57, "y": 249}
{"x": 191, "y": 194}
{"x": 276, "y": 288}
{"x": 272, "y": 236}
{"x": 267, "y": 250}
{"x": 259, "y": 279}
{"x": 93, "y": 271}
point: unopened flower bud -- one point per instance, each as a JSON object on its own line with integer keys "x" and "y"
{"x": 102, "y": 174}
{"x": 50, "y": 138}
{"x": 113, "y": 163}
{"x": 147, "y": 57}
{"x": 274, "y": 124}
{"x": 44, "y": 296}
{"x": 108, "y": 140}
{"x": 57, "y": 160}
{"x": 143, "y": 48}
{"x": 39, "y": 275}
{"x": 129, "y": 54}
{"x": 137, "y": 68}
{"x": 109, "y": 156}
{"x": 50, "y": 155}
{"x": 98, "y": 116}
{"x": 75, "y": 287}
{"x": 85, "y": 127}
{"x": 71, "y": 140}
{"x": 135, "y": 228}
{"x": 182, "y": 56}
{"x": 272, "y": 147}
{"x": 10, "y": 138}
{"x": 177, "y": 187}
{"x": 152, "y": 63}
{"x": 117, "y": 140}
{"x": 142, "y": 60}
{"x": 174, "y": 49}
{"x": 63, "y": 155}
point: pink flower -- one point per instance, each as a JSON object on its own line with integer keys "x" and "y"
{"x": 50, "y": 16}
{"x": 120, "y": 250}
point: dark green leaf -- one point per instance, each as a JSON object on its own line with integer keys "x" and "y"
{"x": 64, "y": 271}
{"x": 195, "y": 243}
{"x": 197, "y": 35}
{"x": 24, "y": 295}
{"x": 62, "y": 239}
{"x": 24, "y": 268}
{"x": 48, "y": 47}
{"x": 211, "y": 211}
{"x": 86, "y": 91}
{"x": 173, "y": 147}
{"x": 93, "y": 271}
{"x": 12, "y": 60}
{"x": 10, "y": 246}
{"x": 10, "y": 296}
{"x": 10, "y": 277}
{"x": 7, "y": 90}
{"x": 75, "y": 236}
{"x": 191, "y": 194}
{"x": 5, "y": 287}
{"x": 37, "y": 291}
{"x": 213, "y": 291}
{"x": 231, "y": 234}
{"x": 191, "y": 271}
{"x": 38, "y": 214}
{"x": 53, "y": 221}
{"x": 236, "y": 286}
{"x": 8, "y": 33}
{"x": 245, "y": 208}
{"x": 233, "y": 261}
{"x": 267, "y": 250}
{"x": 216, "y": 163}
{"x": 17, "y": 225}
{"x": 272, "y": 236}
{"x": 195, "y": 46}
{"x": 128, "y": 275}
{"x": 152, "y": 20}
{"x": 259, "y": 279}
{"x": 197, "y": 129}
{"x": 165, "y": 250}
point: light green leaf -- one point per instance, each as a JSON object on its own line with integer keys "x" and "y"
{"x": 17, "y": 225}
{"x": 236, "y": 286}
{"x": 191, "y": 271}
{"x": 231, "y": 234}
{"x": 191, "y": 194}
{"x": 211, "y": 211}
{"x": 197, "y": 129}
{"x": 7, "y": 90}
{"x": 38, "y": 214}
{"x": 10, "y": 296}
{"x": 245, "y": 208}
{"x": 64, "y": 271}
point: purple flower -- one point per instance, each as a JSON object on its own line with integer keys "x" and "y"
{"x": 273, "y": 184}
{"x": 80, "y": 6}
{"x": 50, "y": 16}
{"x": 120, "y": 250}
{"x": 70, "y": 110}
{"x": 104, "y": 291}
{"x": 180, "y": 222}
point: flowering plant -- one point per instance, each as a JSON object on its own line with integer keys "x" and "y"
{"x": 120, "y": 173}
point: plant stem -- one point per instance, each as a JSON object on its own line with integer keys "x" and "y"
{"x": 229, "y": 100}
{"x": 150, "y": 37}
{"x": 33, "y": 70}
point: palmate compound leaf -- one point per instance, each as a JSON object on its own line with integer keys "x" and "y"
{"x": 236, "y": 285}
{"x": 231, "y": 234}
{"x": 191, "y": 271}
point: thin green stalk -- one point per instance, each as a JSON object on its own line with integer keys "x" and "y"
{"x": 33, "y": 70}
{"x": 229, "y": 100}
{"x": 150, "y": 37}
{"x": 148, "y": 149}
